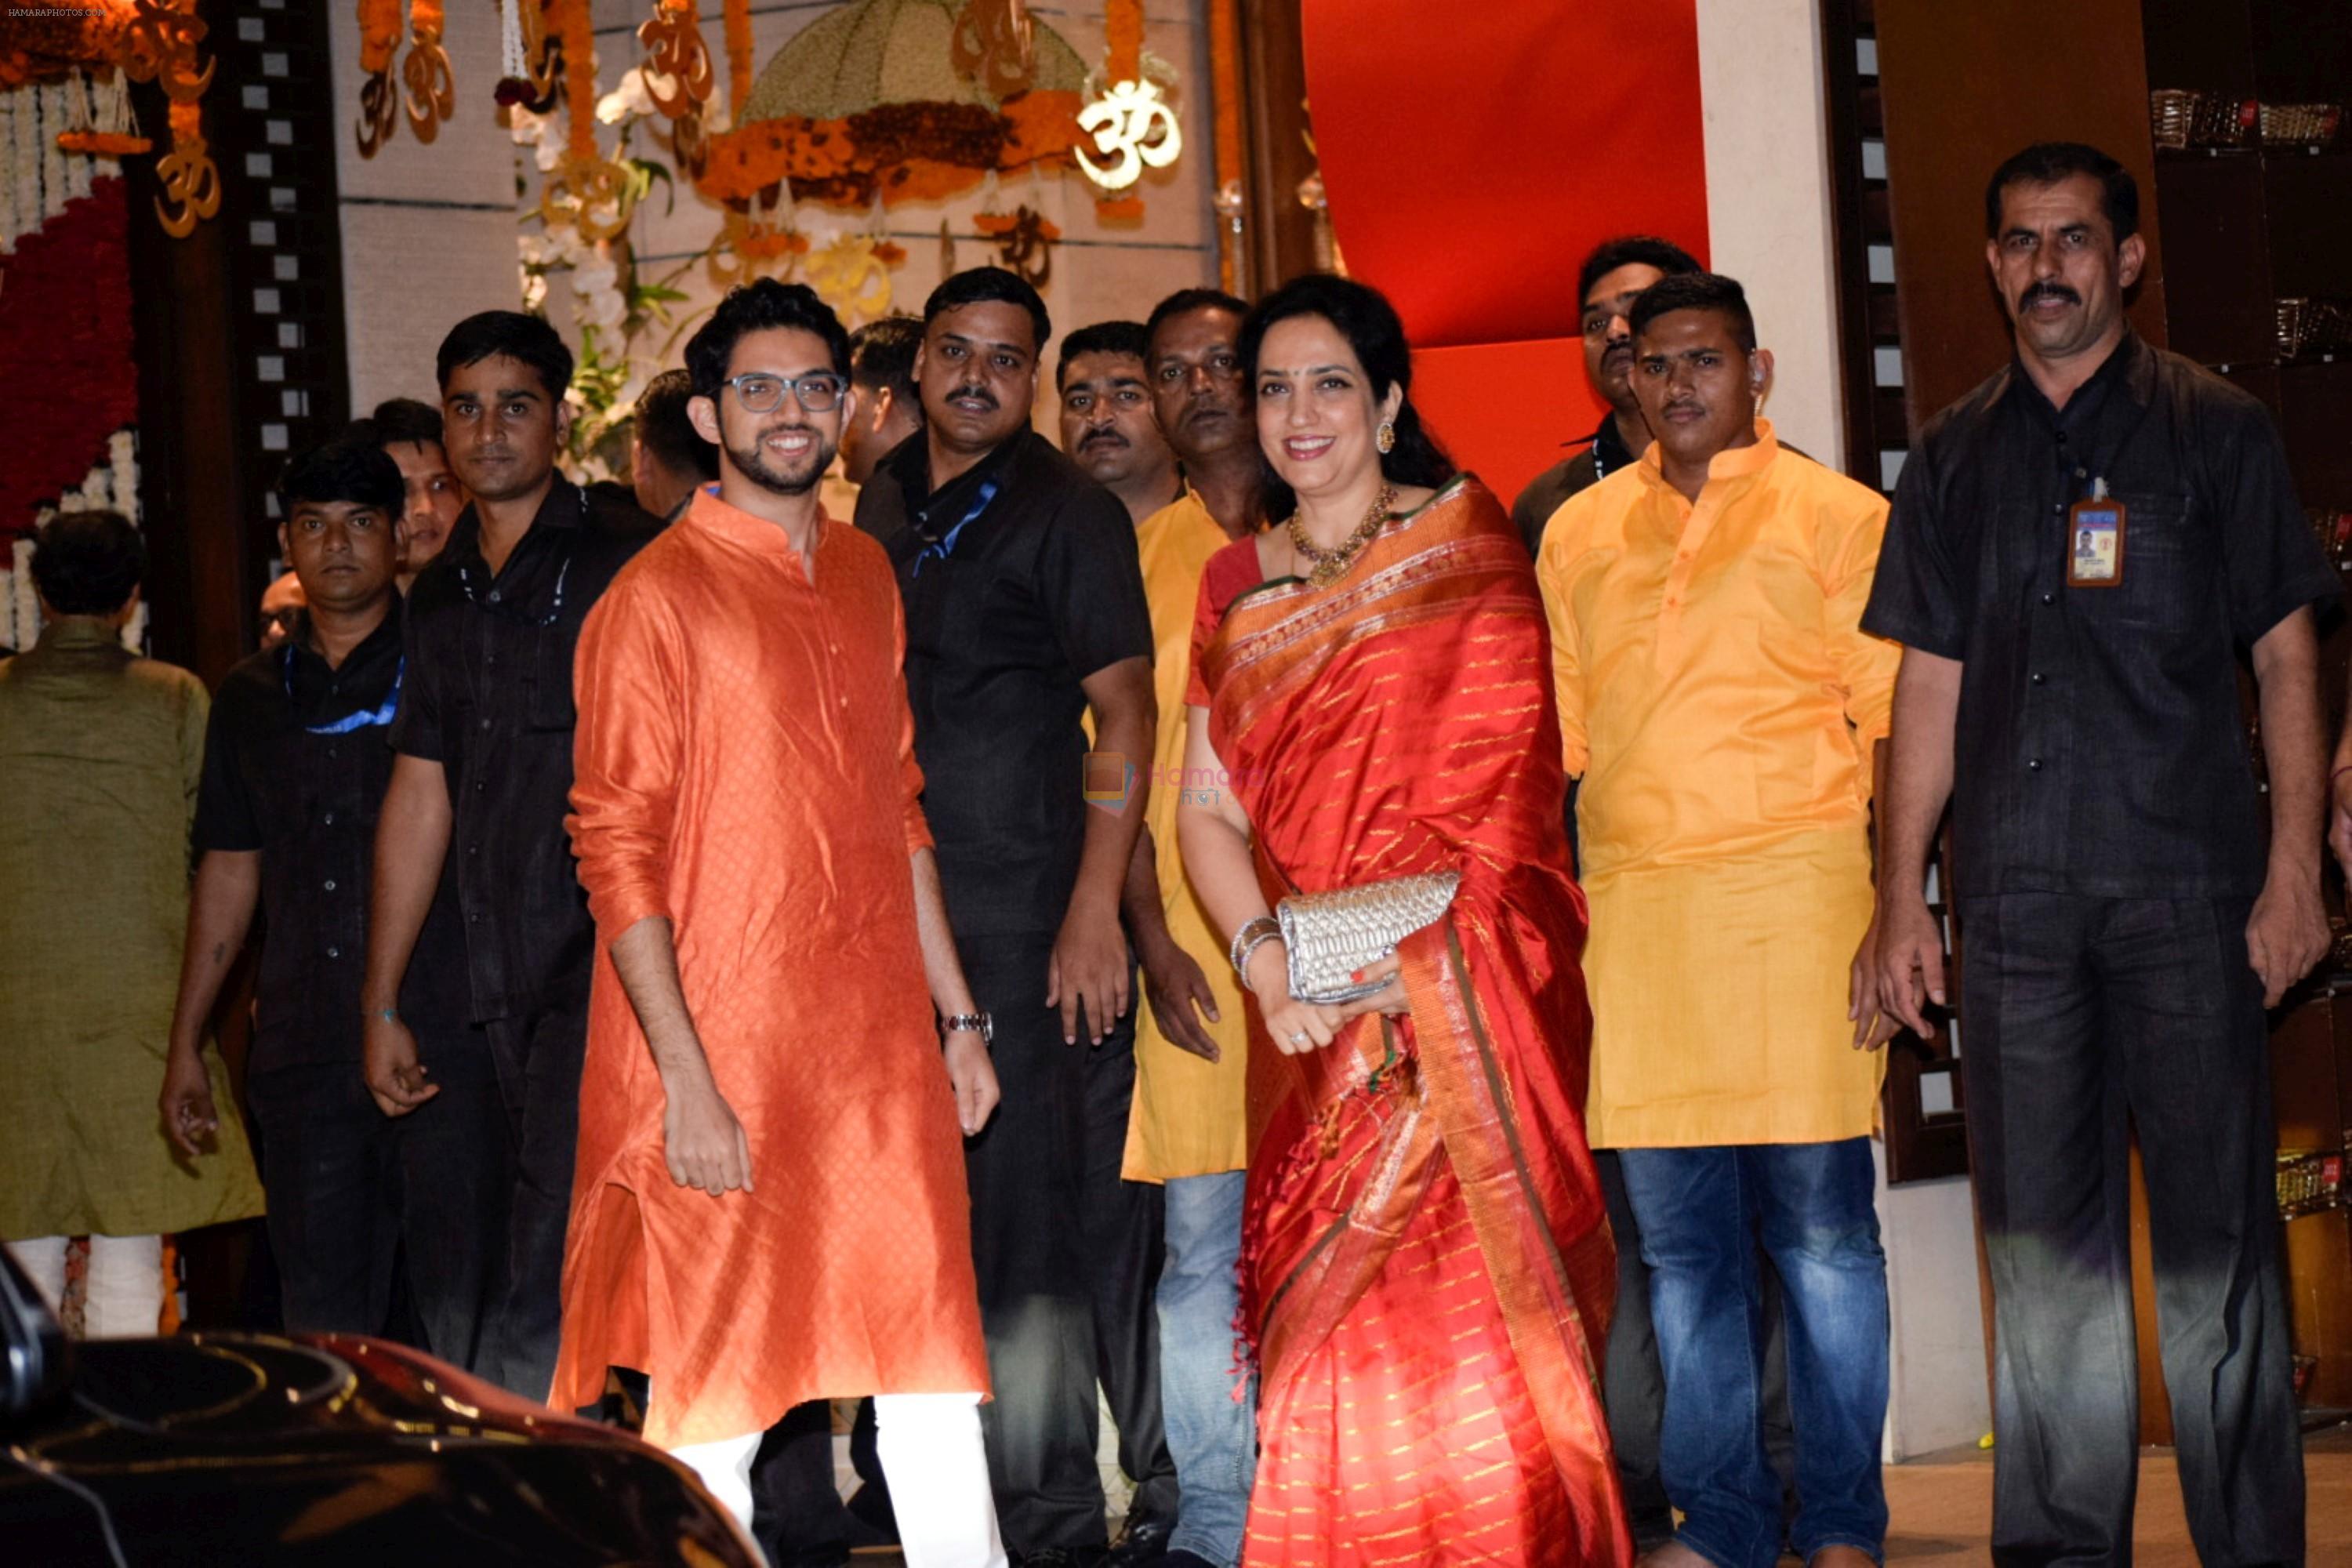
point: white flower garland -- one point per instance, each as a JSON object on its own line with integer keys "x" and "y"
{"x": 113, "y": 485}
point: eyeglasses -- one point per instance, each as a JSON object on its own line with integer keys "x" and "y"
{"x": 761, "y": 393}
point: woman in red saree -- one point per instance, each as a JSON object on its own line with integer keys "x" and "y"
{"x": 1427, "y": 1272}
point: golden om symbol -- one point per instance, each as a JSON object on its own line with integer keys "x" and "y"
{"x": 191, "y": 182}
{"x": 1026, "y": 249}
{"x": 849, "y": 276}
{"x": 379, "y": 113}
{"x": 590, "y": 184}
{"x": 996, "y": 44}
{"x": 432, "y": 95}
{"x": 672, "y": 37}
{"x": 158, "y": 43}
{"x": 1134, "y": 129}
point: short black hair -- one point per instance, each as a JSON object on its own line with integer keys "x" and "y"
{"x": 1362, "y": 314}
{"x": 759, "y": 306}
{"x": 660, "y": 425}
{"x": 2047, "y": 162}
{"x": 1631, "y": 250}
{"x": 524, "y": 339}
{"x": 1186, "y": 300}
{"x": 88, "y": 563}
{"x": 976, "y": 284}
{"x": 406, "y": 420}
{"x": 350, "y": 465}
{"x": 1696, "y": 291}
{"x": 882, "y": 355}
{"x": 1127, "y": 338}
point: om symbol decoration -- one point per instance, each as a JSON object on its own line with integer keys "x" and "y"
{"x": 679, "y": 74}
{"x": 996, "y": 44}
{"x": 432, "y": 95}
{"x": 1134, "y": 129}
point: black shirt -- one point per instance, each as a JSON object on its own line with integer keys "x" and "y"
{"x": 489, "y": 695}
{"x": 2099, "y": 749}
{"x": 1604, "y": 454}
{"x": 1021, "y": 579}
{"x": 295, "y": 770}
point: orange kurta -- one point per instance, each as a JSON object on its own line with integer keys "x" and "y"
{"x": 745, "y": 766}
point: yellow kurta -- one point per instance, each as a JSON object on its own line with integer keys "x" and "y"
{"x": 1189, "y": 1117}
{"x": 1719, "y": 700}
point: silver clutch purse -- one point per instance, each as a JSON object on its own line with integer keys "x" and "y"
{"x": 1331, "y": 936}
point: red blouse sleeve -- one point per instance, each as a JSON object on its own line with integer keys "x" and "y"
{"x": 1230, "y": 573}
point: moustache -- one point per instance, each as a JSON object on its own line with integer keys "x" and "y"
{"x": 1106, "y": 435}
{"x": 979, "y": 394}
{"x": 2048, "y": 291}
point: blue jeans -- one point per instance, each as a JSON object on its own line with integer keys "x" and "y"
{"x": 1702, "y": 1212}
{"x": 1212, "y": 1436}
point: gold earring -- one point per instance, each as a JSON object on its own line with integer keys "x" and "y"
{"x": 1385, "y": 437}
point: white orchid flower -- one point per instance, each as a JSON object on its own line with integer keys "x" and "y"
{"x": 630, "y": 98}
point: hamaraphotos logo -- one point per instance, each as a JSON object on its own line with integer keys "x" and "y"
{"x": 1107, "y": 778}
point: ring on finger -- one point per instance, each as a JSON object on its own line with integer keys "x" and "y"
{"x": 1299, "y": 1038}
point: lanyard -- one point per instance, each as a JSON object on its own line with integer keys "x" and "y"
{"x": 941, "y": 547}
{"x": 489, "y": 602}
{"x": 366, "y": 718}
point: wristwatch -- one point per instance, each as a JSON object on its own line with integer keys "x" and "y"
{"x": 978, "y": 1022}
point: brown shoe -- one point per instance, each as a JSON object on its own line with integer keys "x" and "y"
{"x": 1842, "y": 1557}
{"x": 1673, "y": 1554}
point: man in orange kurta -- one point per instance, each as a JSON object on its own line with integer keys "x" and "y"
{"x": 770, "y": 1204}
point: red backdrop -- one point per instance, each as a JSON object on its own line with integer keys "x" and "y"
{"x": 1473, "y": 155}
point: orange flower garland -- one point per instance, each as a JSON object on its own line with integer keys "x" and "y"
{"x": 576, "y": 31}
{"x": 1123, "y": 41}
{"x": 379, "y": 34}
{"x": 902, "y": 152}
{"x": 738, "y": 60}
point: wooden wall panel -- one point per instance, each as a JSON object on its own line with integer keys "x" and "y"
{"x": 1965, "y": 85}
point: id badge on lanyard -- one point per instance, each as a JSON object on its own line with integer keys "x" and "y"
{"x": 2095, "y": 540}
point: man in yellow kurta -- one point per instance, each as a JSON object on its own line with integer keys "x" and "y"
{"x": 1188, "y": 1127}
{"x": 1722, "y": 706}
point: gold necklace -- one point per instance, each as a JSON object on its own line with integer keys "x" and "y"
{"x": 1328, "y": 566}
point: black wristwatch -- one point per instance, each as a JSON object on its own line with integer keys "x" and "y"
{"x": 976, "y": 1021}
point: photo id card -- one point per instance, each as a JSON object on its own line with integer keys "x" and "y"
{"x": 2095, "y": 543}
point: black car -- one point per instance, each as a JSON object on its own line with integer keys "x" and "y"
{"x": 237, "y": 1449}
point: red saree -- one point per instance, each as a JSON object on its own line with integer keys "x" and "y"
{"x": 1426, "y": 1268}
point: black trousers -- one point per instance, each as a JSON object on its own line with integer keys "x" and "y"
{"x": 455, "y": 1172}
{"x": 1125, "y": 1242}
{"x": 1633, "y": 1381}
{"x": 537, "y": 1055}
{"x": 328, "y": 1173}
{"x": 1030, "y": 1173}
{"x": 797, "y": 1515}
{"x": 2080, "y": 1019}
{"x": 355, "y": 1197}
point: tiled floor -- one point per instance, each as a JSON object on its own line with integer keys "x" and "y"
{"x": 1942, "y": 1508}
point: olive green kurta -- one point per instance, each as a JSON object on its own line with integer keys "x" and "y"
{"x": 99, "y": 755}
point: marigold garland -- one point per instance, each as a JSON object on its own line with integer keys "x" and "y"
{"x": 902, "y": 152}
{"x": 379, "y": 34}
{"x": 575, "y": 30}
{"x": 1123, "y": 40}
{"x": 738, "y": 60}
